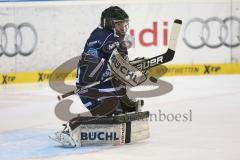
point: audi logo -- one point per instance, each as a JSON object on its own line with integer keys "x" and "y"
{"x": 228, "y": 32}
{"x": 17, "y": 39}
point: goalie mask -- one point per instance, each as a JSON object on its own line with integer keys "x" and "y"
{"x": 116, "y": 19}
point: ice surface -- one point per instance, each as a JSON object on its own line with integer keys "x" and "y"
{"x": 27, "y": 117}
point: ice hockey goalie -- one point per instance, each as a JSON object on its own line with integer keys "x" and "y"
{"x": 113, "y": 118}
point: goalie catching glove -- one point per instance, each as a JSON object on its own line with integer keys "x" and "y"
{"x": 124, "y": 71}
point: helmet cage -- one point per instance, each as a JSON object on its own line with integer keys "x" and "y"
{"x": 125, "y": 24}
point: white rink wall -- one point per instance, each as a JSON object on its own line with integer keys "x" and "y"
{"x": 63, "y": 27}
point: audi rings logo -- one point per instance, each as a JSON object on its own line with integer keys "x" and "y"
{"x": 15, "y": 39}
{"x": 226, "y": 33}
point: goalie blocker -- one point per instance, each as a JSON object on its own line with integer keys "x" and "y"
{"x": 115, "y": 130}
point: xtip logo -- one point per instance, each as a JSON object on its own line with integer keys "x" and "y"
{"x": 211, "y": 69}
{"x": 7, "y": 79}
{"x": 150, "y": 37}
{"x": 43, "y": 76}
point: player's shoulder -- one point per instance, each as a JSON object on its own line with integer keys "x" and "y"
{"x": 101, "y": 36}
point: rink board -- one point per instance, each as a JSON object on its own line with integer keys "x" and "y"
{"x": 173, "y": 70}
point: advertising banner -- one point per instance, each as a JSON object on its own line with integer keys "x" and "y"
{"x": 41, "y": 36}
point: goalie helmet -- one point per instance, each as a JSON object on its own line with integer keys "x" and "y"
{"x": 113, "y": 15}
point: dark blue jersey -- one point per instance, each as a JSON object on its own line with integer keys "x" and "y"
{"x": 93, "y": 66}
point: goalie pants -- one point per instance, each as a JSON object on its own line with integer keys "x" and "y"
{"x": 107, "y": 103}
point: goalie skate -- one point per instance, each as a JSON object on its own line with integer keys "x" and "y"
{"x": 64, "y": 138}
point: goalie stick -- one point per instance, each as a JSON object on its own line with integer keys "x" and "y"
{"x": 168, "y": 55}
{"x": 145, "y": 64}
